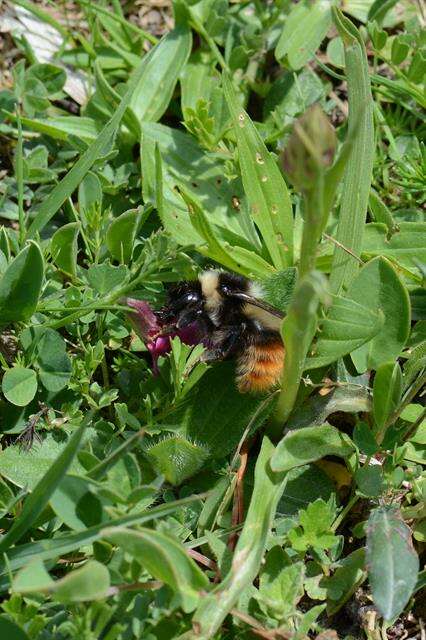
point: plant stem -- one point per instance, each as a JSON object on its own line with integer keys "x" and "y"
{"x": 19, "y": 167}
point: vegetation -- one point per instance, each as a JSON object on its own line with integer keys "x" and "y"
{"x": 275, "y": 139}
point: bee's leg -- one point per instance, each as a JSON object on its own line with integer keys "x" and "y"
{"x": 225, "y": 344}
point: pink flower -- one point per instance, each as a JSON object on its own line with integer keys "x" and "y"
{"x": 157, "y": 337}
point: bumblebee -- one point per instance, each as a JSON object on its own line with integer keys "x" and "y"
{"x": 234, "y": 321}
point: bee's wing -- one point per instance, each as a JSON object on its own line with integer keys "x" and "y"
{"x": 244, "y": 297}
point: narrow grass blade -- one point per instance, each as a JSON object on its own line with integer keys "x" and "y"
{"x": 264, "y": 185}
{"x": 357, "y": 178}
{"x": 268, "y": 488}
{"x": 70, "y": 182}
{"x": 49, "y": 549}
{"x": 39, "y": 497}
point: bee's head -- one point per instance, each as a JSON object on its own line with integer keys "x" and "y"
{"x": 184, "y": 304}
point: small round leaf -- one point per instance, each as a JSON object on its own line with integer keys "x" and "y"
{"x": 19, "y": 385}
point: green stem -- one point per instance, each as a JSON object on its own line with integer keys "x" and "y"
{"x": 342, "y": 515}
{"x": 19, "y": 167}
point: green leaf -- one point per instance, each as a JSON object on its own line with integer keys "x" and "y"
{"x": 89, "y": 192}
{"x": 38, "y": 499}
{"x": 268, "y": 487}
{"x": 315, "y": 528}
{"x": 357, "y": 180}
{"x": 316, "y": 409}
{"x": 105, "y": 277}
{"x": 345, "y": 580}
{"x": 90, "y": 582}
{"x": 177, "y": 458}
{"x": 346, "y": 326}
{"x": 53, "y": 361}
{"x": 50, "y": 548}
{"x": 75, "y": 504}
{"x": 234, "y": 258}
{"x": 263, "y": 183}
{"x": 392, "y": 562}
{"x": 369, "y": 480}
{"x": 165, "y": 559}
{"x": 20, "y": 285}
{"x": 73, "y": 178}
{"x": 304, "y": 485}
{"x": 304, "y": 29}
{"x": 387, "y": 391}
{"x": 64, "y": 247}
{"x": 121, "y": 234}
{"x": 297, "y": 332}
{"x": 19, "y": 385}
{"x": 217, "y": 420}
{"x": 310, "y": 444}
{"x": 10, "y": 630}
{"x": 32, "y": 578}
{"x": 406, "y": 244}
{"x": 364, "y": 439}
{"x": 379, "y": 288}
{"x": 280, "y": 584}
{"x": 52, "y": 77}
{"x": 159, "y": 73}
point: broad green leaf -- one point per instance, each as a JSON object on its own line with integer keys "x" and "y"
{"x": 357, "y": 180}
{"x": 403, "y": 246}
{"x": 346, "y": 326}
{"x": 105, "y": 277}
{"x": 179, "y": 154}
{"x": 392, "y": 562}
{"x": 280, "y": 584}
{"x": 73, "y": 178}
{"x": 10, "y": 630}
{"x": 345, "y": 580}
{"x": 177, "y": 458}
{"x": 165, "y": 559}
{"x": 304, "y": 29}
{"x": 309, "y": 444}
{"x": 268, "y": 488}
{"x": 50, "y": 75}
{"x": 32, "y": 578}
{"x": 369, "y": 480}
{"x": 160, "y": 71}
{"x": 264, "y": 185}
{"x": 121, "y": 234}
{"x": 316, "y": 409}
{"x": 304, "y": 485}
{"x": 19, "y": 385}
{"x": 90, "y": 582}
{"x": 39, "y": 497}
{"x": 218, "y": 420}
{"x": 20, "y": 285}
{"x": 61, "y": 127}
{"x": 379, "y": 288}
{"x": 75, "y": 504}
{"x": 297, "y": 332}
{"x": 52, "y": 360}
{"x": 234, "y": 258}
{"x": 64, "y": 247}
{"x": 26, "y": 468}
{"x": 387, "y": 391}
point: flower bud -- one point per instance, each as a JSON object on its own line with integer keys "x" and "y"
{"x": 310, "y": 149}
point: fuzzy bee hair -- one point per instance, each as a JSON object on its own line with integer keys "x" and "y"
{"x": 237, "y": 323}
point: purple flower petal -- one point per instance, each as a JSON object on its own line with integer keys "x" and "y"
{"x": 149, "y": 327}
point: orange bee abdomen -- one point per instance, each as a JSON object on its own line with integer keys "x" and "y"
{"x": 260, "y": 366}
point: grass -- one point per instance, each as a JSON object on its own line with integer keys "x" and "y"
{"x": 150, "y": 499}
